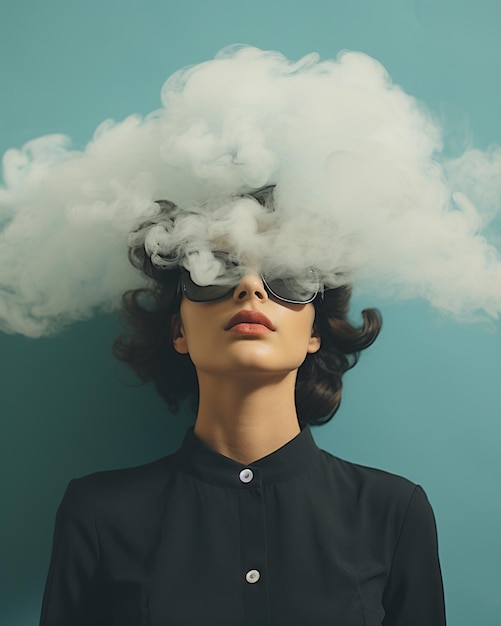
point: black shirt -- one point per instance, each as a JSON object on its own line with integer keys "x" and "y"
{"x": 298, "y": 538}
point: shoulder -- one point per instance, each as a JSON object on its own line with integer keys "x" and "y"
{"x": 364, "y": 477}
{"x": 380, "y": 493}
{"x": 119, "y": 489}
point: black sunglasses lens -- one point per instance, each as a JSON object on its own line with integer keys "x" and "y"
{"x": 199, "y": 293}
{"x": 293, "y": 290}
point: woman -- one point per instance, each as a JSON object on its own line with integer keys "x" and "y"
{"x": 249, "y": 523}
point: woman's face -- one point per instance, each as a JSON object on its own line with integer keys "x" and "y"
{"x": 248, "y": 332}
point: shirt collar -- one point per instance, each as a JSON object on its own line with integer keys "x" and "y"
{"x": 200, "y": 460}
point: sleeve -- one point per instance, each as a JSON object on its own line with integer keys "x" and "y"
{"x": 72, "y": 595}
{"x": 414, "y": 595}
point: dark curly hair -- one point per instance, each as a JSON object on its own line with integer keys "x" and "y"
{"x": 148, "y": 347}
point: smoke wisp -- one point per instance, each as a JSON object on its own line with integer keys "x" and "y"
{"x": 362, "y": 192}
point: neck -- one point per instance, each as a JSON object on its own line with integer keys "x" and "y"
{"x": 246, "y": 420}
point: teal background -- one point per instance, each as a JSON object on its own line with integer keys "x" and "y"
{"x": 424, "y": 401}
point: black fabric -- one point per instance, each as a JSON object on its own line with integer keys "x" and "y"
{"x": 171, "y": 543}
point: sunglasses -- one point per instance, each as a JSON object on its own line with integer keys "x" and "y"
{"x": 293, "y": 290}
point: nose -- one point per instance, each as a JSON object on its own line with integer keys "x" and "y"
{"x": 250, "y": 286}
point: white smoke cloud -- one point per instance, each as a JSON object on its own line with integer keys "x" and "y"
{"x": 361, "y": 188}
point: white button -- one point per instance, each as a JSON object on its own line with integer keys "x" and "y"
{"x": 246, "y": 475}
{"x": 252, "y": 576}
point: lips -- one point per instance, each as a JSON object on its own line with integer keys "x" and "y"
{"x": 250, "y": 317}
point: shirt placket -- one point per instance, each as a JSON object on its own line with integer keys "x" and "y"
{"x": 254, "y": 570}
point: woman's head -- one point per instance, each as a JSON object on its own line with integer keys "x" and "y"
{"x": 173, "y": 336}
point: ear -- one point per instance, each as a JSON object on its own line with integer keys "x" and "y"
{"x": 177, "y": 334}
{"x": 314, "y": 342}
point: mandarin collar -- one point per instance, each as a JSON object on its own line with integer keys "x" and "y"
{"x": 200, "y": 460}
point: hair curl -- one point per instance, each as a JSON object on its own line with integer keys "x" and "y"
{"x": 149, "y": 350}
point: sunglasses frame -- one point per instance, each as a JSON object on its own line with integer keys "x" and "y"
{"x": 185, "y": 276}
